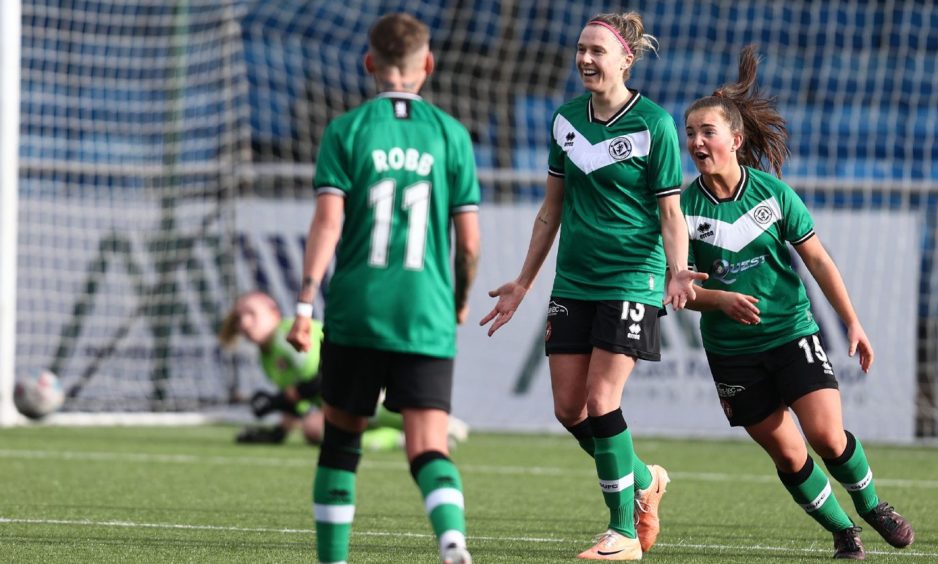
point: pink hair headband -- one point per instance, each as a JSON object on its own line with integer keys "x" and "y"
{"x": 614, "y": 32}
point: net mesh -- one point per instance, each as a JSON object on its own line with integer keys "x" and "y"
{"x": 150, "y": 129}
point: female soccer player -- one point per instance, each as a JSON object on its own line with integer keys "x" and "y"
{"x": 614, "y": 181}
{"x": 767, "y": 358}
{"x": 397, "y": 193}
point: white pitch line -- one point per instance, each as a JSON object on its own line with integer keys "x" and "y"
{"x": 182, "y": 526}
{"x": 380, "y": 465}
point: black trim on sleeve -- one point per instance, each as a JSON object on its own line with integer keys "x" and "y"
{"x": 675, "y": 191}
{"x": 804, "y": 238}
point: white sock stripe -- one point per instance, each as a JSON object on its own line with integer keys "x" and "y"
{"x": 339, "y": 562}
{"x": 611, "y": 486}
{"x": 819, "y": 500}
{"x": 335, "y": 514}
{"x": 442, "y": 496}
{"x": 866, "y": 481}
{"x": 450, "y": 537}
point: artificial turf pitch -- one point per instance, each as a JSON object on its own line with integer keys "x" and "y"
{"x": 189, "y": 494}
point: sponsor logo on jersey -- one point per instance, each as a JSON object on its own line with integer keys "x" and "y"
{"x": 704, "y": 230}
{"x": 728, "y": 390}
{"x": 763, "y": 214}
{"x": 620, "y": 148}
{"x": 553, "y": 308}
{"x": 726, "y": 272}
{"x": 570, "y": 137}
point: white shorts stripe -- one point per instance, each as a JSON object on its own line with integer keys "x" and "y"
{"x": 819, "y": 500}
{"x": 866, "y": 481}
{"x": 612, "y": 486}
{"x": 335, "y": 514}
{"x": 442, "y": 496}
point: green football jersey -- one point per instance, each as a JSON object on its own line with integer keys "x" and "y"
{"x": 741, "y": 242}
{"x": 614, "y": 171}
{"x": 405, "y": 168}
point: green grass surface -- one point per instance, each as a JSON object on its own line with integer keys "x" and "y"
{"x": 192, "y": 495}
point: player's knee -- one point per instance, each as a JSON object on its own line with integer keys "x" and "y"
{"x": 569, "y": 413}
{"x": 828, "y": 443}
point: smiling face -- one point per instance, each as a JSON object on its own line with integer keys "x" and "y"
{"x": 711, "y": 142}
{"x": 601, "y": 59}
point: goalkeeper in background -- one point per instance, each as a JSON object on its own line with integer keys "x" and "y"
{"x": 257, "y": 318}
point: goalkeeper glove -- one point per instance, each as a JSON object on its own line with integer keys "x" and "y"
{"x": 263, "y": 403}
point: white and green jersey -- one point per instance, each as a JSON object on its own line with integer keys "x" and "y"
{"x": 404, "y": 168}
{"x": 742, "y": 243}
{"x": 614, "y": 172}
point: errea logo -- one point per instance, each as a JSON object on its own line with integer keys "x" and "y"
{"x": 570, "y": 137}
{"x": 704, "y": 230}
{"x": 620, "y": 148}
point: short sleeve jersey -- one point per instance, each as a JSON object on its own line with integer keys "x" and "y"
{"x": 613, "y": 171}
{"x": 283, "y": 365}
{"x": 742, "y": 243}
{"x": 405, "y": 168}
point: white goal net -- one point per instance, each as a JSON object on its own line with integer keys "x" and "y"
{"x": 167, "y": 150}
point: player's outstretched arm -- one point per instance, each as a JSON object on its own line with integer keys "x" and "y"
{"x": 543, "y": 233}
{"x": 324, "y": 232}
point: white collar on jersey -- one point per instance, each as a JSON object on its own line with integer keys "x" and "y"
{"x": 391, "y": 94}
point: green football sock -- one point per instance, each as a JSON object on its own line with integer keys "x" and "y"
{"x": 614, "y": 458}
{"x": 441, "y": 488}
{"x": 812, "y": 491}
{"x": 334, "y": 504}
{"x": 642, "y": 473}
{"x": 334, "y": 493}
{"x": 852, "y": 470}
{"x": 584, "y": 437}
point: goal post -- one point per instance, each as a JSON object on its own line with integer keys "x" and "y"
{"x": 9, "y": 196}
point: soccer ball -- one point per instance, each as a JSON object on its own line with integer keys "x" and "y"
{"x": 38, "y": 395}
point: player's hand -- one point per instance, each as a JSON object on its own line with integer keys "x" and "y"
{"x": 740, "y": 307}
{"x": 680, "y": 287}
{"x": 263, "y": 403}
{"x": 858, "y": 340}
{"x": 462, "y": 314}
{"x": 299, "y": 334}
{"x": 509, "y": 297}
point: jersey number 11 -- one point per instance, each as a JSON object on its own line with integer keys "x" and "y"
{"x": 416, "y": 203}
